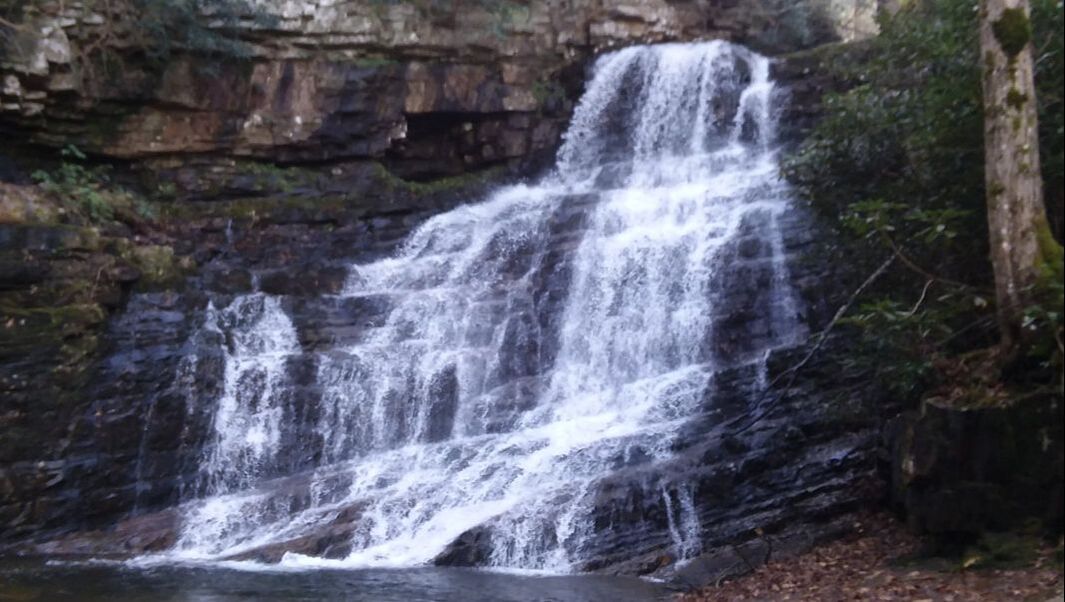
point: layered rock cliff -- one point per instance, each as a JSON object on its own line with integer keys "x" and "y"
{"x": 430, "y": 88}
{"x": 297, "y": 140}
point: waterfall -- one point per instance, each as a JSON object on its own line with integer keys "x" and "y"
{"x": 524, "y": 348}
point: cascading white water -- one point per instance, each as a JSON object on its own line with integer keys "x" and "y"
{"x": 479, "y": 401}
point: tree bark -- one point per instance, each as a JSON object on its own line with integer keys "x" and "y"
{"x": 1019, "y": 231}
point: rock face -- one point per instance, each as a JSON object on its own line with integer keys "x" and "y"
{"x": 430, "y": 88}
{"x": 98, "y": 414}
{"x": 774, "y": 472}
{"x": 433, "y": 90}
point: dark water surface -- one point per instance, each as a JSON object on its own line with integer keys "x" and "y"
{"x": 39, "y": 582}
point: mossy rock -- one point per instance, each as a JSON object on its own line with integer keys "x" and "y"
{"x": 28, "y": 329}
{"x": 269, "y": 209}
{"x": 379, "y": 191}
{"x": 159, "y": 266}
{"x": 438, "y": 186}
{"x": 1004, "y": 550}
{"x": 48, "y": 237}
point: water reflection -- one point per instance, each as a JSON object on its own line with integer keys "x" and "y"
{"x": 36, "y": 582}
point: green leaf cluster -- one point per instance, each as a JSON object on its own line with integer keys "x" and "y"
{"x": 82, "y": 185}
{"x": 503, "y": 12}
{"x": 90, "y": 192}
{"x": 154, "y": 28}
{"x": 168, "y": 25}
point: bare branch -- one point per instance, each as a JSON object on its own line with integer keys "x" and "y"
{"x": 917, "y": 305}
{"x": 916, "y": 268}
{"x": 792, "y": 372}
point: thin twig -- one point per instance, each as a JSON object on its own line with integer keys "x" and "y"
{"x": 913, "y": 265}
{"x": 924, "y": 293}
{"x": 821, "y": 338}
{"x": 985, "y": 321}
{"x": 8, "y": 24}
{"x": 95, "y": 282}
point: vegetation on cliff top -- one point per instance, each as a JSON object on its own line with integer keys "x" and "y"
{"x": 151, "y": 31}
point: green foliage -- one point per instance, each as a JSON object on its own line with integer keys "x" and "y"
{"x": 167, "y": 25}
{"x": 503, "y": 12}
{"x": 898, "y": 164}
{"x": 75, "y": 182}
{"x": 899, "y": 330}
{"x": 155, "y": 29}
{"x": 1004, "y": 550}
{"x": 89, "y": 192}
{"x": 931, "y": 226}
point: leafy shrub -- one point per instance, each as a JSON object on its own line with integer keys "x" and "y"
{"x": 503, "y": 12}
{"x": 82, "y": 185}
{"x": 898, "y": 164}
{"x": 91, "y": 193}
{"x": 155, "y": 29}
{"x": 167, "y": 25}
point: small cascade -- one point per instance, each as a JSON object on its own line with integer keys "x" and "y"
{"x": 683, "y": 523}
{"x": 258, "y": 338}
{"x": 523, "y": 349}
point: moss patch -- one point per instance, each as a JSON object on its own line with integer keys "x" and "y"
{"x": 375, "y": 62}
{"x": 1007, "y": 550}
{"x": 271, "y": 177}
{"x": 452, "y": 183}
{"x": 159, "y": 266}
{"x": 63, "y": 328}
{"x": 256, "y": 209}
{"x": 1013, "y": 31}
{"x": 1053, "y": 255}
{"x": 1015, "y": 98}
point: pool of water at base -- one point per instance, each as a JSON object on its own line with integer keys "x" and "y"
{"x": 37, "y": 581}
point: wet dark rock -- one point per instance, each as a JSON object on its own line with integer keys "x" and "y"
{"x": 330, "y": 540}
{"x": 807, "y": 77}
{"x": 959, "y": 471}
{"x": 124, "y": 273}
{"x": 145, "y": 534}
{"x": 304, "y": 280}
{"x": 16, "y": 274}
{"x": 444, "y": 391}
{"x": 727, "y": 562}
{"x": 503, "y": 406}
{"x": 230, "y": 281}
{"x": 472, "y": 548}
{"x": 796, "y": 459}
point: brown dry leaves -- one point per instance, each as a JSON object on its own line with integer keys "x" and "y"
{"x": 860, "y": 568}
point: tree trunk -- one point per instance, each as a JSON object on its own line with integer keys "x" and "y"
{"x": 1020, "y": 234}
